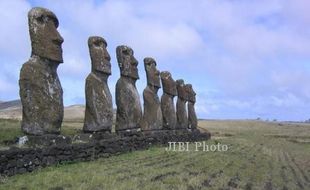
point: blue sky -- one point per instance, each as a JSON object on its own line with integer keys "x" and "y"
{"x": 245, "y": 59}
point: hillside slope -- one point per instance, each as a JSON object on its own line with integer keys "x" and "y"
{"x": 13, "y": 110}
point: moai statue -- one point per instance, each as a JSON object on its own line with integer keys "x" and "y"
{"x": 191, "y": 98}
{"x": 129, "y": 112}
{"x": 99, "y": 109}
{"x": 40, "y": 88}
{"x": 182, "y": 120}
{"x": 167, "y": 104}
{"x": 152, "y": 115}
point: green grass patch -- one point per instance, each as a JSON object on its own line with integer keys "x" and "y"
{"x": 11, "y": 129}
{"x": 256, "y": 159}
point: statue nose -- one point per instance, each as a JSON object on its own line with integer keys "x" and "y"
{"x": 107, "y": 57}
{"x": 58, "y": 39}
{"x": 134, "y": 62}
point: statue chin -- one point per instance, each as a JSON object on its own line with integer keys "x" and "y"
{"x": 54, "y": 57}
{"x": 104, "y": 72}
{"x": 134, "y": 74}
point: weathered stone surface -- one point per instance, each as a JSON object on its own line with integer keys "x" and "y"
{"x": 152, "y": 115}
{"x": 182, "y": 120}
{"x": 47, "y": 140}
{"x": 191, "y": 98}
{"x": 99, "y": 109}
{"x": 40, "y": 88}
{"x": 167, "y": 104}
{"x": 129, "y": 112}
{"x": 21, "y": 160}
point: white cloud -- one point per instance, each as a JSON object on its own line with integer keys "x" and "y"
{"x": 14, "y": 39}
{"x": 250, "y": 50}
{"x": 7, "y": 88}
{"x": 74, "y": 67}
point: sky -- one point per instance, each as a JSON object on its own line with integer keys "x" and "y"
{"x": 245, "y": 59}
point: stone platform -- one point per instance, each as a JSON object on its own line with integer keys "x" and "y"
{"x": 86, "y": 147}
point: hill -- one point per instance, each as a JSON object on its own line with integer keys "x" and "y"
{"x": 74, "y": 113}
{"x": 13, "y": 110}
{"x": 10, "y": 104}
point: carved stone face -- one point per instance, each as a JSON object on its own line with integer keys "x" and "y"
{"x": 100, "y": 58}
{"x": 45, "y": 39}
{"x": 152, "y": 74}
{"x": 191, "y": 94}
{"x": 127, "y": 62}
{"x": 169, "y": 85}
{"x": 181, "y": 89}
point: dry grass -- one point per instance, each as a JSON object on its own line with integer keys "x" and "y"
{"x": 261, "y": 156}
{"x": 10, "y": 129}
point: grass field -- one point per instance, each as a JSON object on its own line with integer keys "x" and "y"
{"x": 261, "y": 155}
{"x": 10, "y": 130}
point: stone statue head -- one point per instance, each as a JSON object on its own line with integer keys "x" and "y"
{"x": 100, "y": 58}
{"x": 152, "y": 74}
{"x": 45, "y": 39}
{"x": 191, "y": 94}
{"x": 169, "y": 85}
{"x": 181, "y": 89}
{"x": 127, "y": 62}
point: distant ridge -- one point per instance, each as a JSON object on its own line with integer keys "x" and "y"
{"x": 13, "y": 110}
{"x": 74, "y": 113}
{"x": 9, "y": 104}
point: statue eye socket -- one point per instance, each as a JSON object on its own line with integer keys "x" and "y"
{"x": 43, "y": 19}
{"x": 40, "y": 19}
{"x": 98, "y": 43}
{"x": 125, "y": 51}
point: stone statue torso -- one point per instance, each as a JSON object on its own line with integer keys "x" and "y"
{"x": 99, "y": 109}
{"x": 192, "y": 118}
{"x": 182, "y": 120}
{"x": 41, "y": 96}
{"x": 152, "y": 117}
{"x": 169, "y": 115}
{"x": 129, "y": 110}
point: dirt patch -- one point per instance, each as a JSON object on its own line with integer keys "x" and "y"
{"x": 248, "y": 186}
{"x": 299, "y": 141}
{"x": 294, "y": 171}
{"x": 189, "y": 187}
{"x": 189, "y": 165}
{"x": 234, "y": 181}
{"x": 193, "y": 173}
{"x": 206, "y": 183}
{"x": 128, "y": 177}
{"x": 163, "y": 176}
{"x": 159, "y": 161}
{"x": 286, "y": 136}
{"x": 228, "y": 134}
{"x": 171, "y": 164}
{"x": 268, "y": 186}
{"x": 56, "y": 188}
{"x": 218, "y": 134}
